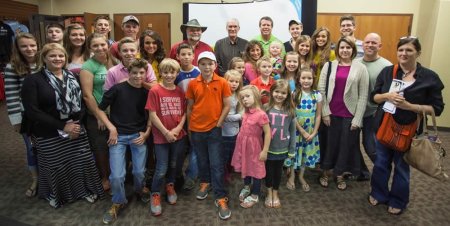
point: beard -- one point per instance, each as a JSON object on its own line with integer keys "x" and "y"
{"x": 194, "y": 38}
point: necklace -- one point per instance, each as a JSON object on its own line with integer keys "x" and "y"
{"x": 407, "y": 73}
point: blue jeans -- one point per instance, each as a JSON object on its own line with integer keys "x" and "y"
{"x": 31, "y": 157}
{"x": 398, "y": 196}
{"x": 369, "y": 137}
{"x": 256, "y": 187}
{"x": 167, "y": 156}
{"x": 228, "y": 145}
{"x": 118, "y": 164}
{"x": 192, "y": 167}
{"x": 210, "y": 159}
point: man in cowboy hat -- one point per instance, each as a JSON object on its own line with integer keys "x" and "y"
{"x": 193, "y": 31}
{"x": 130, "y": 28}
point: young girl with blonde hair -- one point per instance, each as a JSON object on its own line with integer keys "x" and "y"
{"x": 251, "y": 149}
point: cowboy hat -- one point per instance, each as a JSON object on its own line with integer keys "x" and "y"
{"x": 192, "y": 23}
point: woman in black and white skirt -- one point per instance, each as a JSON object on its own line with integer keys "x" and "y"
{"x": 53, "y": 108}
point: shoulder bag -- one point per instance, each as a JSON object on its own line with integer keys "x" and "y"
{"x": 426, "y": 153}
{"x": 393, "y": 135}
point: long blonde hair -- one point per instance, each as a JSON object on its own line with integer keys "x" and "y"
{"x": 309, "y": 56}
{"x": 256, "y": 96}
{"x": 18, "y": 61}
{"x": 235, "y": 74}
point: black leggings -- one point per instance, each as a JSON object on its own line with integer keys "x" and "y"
{"x": 274, "y": 168}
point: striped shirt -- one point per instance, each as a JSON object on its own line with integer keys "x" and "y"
{"x": 13, "y": 87}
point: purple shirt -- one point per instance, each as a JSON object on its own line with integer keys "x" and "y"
{"x": 119, "y": 73}
{"x": 337, "y": 105}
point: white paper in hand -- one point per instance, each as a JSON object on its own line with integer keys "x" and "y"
{"x": 396, "y": 86}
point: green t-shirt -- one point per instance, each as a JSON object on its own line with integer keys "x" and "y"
{"x": 266, "y": 44}
{"x": 99, "y": 71}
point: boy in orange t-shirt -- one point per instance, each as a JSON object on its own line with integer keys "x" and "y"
{"x": 208, "y": 104}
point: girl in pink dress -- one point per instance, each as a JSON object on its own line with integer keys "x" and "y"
{"x": 251, "y": 150}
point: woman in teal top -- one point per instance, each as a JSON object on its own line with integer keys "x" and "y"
{"x": 92, "y": 77}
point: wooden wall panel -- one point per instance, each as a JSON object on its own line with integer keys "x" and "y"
{"x": 159, "y": 22}
{"x": 17, "y": 10}
{"x": 389, "y": 26}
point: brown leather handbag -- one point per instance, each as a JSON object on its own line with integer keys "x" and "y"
{"x": 426, "y": 153}
{"x": 393, "y": 135}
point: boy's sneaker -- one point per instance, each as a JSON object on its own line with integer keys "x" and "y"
{"x": 189, "y": 184}
{"x": 171, "y": 194}
{"x": 222, "y": 205}
{"x": 144, "y": 196}
{"x": 155, "y": 204}
{"x": 111, "y": 215}
{"x": 202, "y": 193}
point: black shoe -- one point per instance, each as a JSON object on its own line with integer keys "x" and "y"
{"x": 362, "y": 178}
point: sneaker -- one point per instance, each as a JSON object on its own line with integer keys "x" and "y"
{"x": 250, "y": 201}
{"x": 189, "y": 184}
{"x": 171, "y": 194}
{"x": 144, "y": 195}
{"x": 111, "y": 215}
{"x": 244, "y": 193}
{"x": 155, "y": 204}
{"x": 202, "y": 193}
{"x": 222, "y": 205}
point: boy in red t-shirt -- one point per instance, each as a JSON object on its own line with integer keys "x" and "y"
{"x": 167, "y": 108}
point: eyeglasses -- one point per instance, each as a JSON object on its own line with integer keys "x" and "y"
{"x": 409, "y": 37}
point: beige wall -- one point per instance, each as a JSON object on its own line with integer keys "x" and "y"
{"x": 439, "y": 55}
{"x": 430, "y": 21}
{"x": 174, "y": 7}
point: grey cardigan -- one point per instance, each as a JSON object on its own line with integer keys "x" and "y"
{"x": 356, "y": 90}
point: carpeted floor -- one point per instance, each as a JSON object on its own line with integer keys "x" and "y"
{"x": 429, "y": 204}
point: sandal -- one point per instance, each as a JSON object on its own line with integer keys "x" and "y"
{"x": 276, "y": 203}
{"x": 245, "y": 192}
{"x": 372, "y": 201}
{"x": 31, "y": 192}
{"x": 249, "y": 201}
{"x": 340, "y": 183}
{"x": 290, "y": 185}
{"x": 268, "y": 203}
{"x": 323, "y": 181}
{"x": 394, "y": 211}
{"x": 306, "y": 187}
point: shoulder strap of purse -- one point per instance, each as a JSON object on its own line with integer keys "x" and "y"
{"x": 394, "y": 72}
{"x": 328, "y": 78}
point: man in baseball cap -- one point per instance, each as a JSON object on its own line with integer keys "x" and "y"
{"x": 295, "y": 28}
{"x": 193, "y": 31}
{"x": 130, "y": 28}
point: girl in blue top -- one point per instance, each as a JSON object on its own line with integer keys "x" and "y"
{"x": 308, "y": 104}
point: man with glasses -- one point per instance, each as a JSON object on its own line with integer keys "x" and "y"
{"x": 347, "y": 28}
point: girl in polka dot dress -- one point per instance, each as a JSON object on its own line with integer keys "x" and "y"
{"x": 308, "y": 104}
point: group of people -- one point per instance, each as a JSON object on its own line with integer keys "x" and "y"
{"x": 253, "y": 107}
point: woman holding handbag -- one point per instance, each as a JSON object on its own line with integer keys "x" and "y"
{"x": 421, "y": 92}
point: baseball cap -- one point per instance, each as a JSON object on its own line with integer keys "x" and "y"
{"x": 208, "y": 55}
{"x": 291, "y": 22}
{"x": 130, "y": 17}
